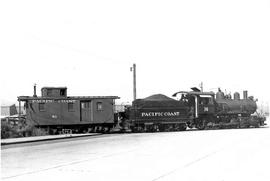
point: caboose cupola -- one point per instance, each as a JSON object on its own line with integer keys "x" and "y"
{"x": 54, "y": 92}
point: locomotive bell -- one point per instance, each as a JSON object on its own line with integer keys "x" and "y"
{"x": 236, "y": 96}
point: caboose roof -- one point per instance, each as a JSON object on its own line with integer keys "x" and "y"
{"x": 25, "y": 98}
{"x": 53, "y": 88}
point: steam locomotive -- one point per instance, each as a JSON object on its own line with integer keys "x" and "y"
{"x": 192, "y": 109}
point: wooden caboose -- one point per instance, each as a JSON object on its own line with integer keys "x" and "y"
{"x": 54, "y": 109}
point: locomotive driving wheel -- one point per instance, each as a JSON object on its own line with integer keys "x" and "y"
{"x": 201, "y": 124}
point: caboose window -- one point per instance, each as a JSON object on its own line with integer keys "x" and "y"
{"x": 99, "y": 106}
{"x": 70, "y": 107}
{"x": 62, "y": 92}
{"x": 41, "y": 106}
{"x": 49, "y": 92}
{"x": 85, "y": 105}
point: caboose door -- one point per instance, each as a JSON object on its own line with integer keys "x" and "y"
{"x": 85, "y": 111}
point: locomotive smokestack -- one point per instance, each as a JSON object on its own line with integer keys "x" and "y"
{"x": 35, "y": 90}
{"x": 245, "y": 94}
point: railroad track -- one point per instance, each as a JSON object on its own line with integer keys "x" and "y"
{"x": 49, "y": 138}
{"x": 6, "y": 143}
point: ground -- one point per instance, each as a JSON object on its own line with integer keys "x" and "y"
{"x": 231, "y": 154}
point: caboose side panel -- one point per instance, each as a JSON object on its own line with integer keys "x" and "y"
{"x": 50, "y": 112}
{"x": 103, "y": 110}
{"x": 69, "y": 112}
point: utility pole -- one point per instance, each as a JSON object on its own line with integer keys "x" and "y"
{"x": 134, "y": 80}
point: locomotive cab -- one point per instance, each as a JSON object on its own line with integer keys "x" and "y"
{"x": 206, "y": 104}
{"x": 201, "y": 102}
{"x": 202, "y": 107}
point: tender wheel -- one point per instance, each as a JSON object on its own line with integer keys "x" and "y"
{"x": 190, "y": 125}
{"x": 183, "y": 127}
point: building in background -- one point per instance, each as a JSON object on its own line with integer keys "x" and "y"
{"x": 11, "y": 110}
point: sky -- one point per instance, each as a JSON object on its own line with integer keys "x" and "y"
{"x": 89, "y": 46}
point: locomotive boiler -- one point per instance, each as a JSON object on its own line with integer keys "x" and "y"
{"x": 227, "y": 105}
{"x": 237, "y": 112}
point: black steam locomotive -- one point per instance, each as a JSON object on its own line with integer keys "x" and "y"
{"x": 192, "y": 109}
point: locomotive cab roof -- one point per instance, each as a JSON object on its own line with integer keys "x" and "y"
{"x": 194, "y": 93}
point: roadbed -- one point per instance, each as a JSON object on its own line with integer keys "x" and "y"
{"x": 10, "y": 141}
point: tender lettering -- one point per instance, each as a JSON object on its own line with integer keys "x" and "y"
{"x": 160, "y": 114}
